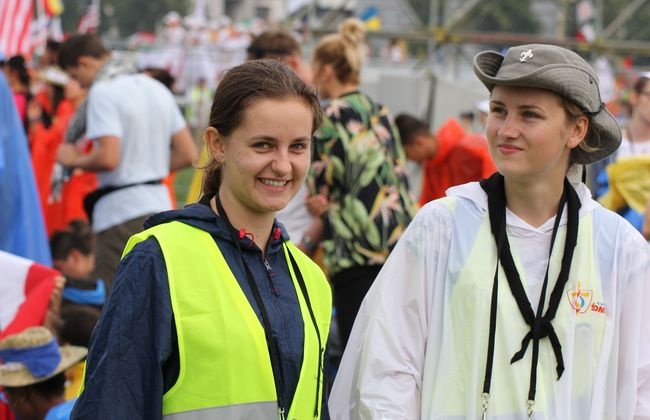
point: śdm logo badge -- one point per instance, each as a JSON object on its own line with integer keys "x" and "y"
{"x": 580, "y": 299}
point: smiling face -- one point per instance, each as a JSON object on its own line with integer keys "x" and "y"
{"x": 529, "y": 134}
{"x": 265, "y": 159}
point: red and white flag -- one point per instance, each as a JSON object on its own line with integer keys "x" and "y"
{"x": 25, "y": 291}
{"x": 89, "y": 21}
{"x": 15, "y": 20}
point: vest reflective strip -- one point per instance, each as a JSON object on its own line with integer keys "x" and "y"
{"x": 259, "y": 410}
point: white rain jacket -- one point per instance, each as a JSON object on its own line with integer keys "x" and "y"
{"x": 419, "y": 344}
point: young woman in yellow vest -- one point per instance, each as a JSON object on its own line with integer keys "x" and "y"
{"x": 519, "y": 296}
{"x": 214, "y": 313}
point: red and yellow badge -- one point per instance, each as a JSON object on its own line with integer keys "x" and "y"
{"x": 579, "y": 299}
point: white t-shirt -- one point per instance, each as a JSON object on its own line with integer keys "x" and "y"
{"x": 142, "y": 113}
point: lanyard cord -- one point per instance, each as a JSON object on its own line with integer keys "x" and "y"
{"x": 270, "y": 343}
{"x": 321, "y": 349}
{"x": 540, "y": 325}
{"x": 493, "y": 317}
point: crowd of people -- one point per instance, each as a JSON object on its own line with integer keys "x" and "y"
{"x": 305, "y": 279}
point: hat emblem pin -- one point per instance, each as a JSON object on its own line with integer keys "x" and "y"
{"x": 525, "y": 56}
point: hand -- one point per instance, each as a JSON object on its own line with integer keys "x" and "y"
{"x": 67, "y": 154}
{"x": 317, "y": 204}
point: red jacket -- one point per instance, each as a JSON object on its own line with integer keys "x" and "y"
{"x": 45, "y": 142}
{"x": 460, "y": 158}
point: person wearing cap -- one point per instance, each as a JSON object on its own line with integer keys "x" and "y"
{"x": 32, "y": 373}
{"x": 518, "y": 296}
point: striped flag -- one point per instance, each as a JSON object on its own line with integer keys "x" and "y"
{"x": 89, "y": 21}
{"x": 15, "y": 20}
{"x": 25, "y": 291}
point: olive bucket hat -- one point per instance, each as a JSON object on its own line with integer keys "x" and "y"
{"x": 563, "y": 72}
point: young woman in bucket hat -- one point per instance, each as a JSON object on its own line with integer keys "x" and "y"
{"x": 519, "y": 296}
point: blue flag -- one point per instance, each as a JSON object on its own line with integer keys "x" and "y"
{"x": 371, "y": 19}
{"x": 22, "y": 230}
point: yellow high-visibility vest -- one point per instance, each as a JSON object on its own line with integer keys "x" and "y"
{"x": 225, "y": 368}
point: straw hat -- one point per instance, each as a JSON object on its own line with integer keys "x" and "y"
{"x": 33, "y": 356}
{"x": 563, "y": 72}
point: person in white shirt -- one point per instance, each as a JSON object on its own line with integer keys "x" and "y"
{"x": 518, "y": 296}
{"x": 139, "y": 135}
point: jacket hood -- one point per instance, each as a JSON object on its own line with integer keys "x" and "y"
{"x": 201, "y": 216}
{"x": 450, "y": 134}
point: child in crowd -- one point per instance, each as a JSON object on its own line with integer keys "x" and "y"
{"x": 73, "y": 255}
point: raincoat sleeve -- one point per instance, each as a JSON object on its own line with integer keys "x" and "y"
{"x": 633, "y": 386}
{"x": 131, "y": 343}
{"x": 380, "y": 376}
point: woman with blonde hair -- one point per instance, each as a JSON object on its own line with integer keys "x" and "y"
{"x": 518, "y": 296}
{"x": 358, "y": 166}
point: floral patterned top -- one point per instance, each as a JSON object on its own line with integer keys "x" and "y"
{"x": 358, "y": 164}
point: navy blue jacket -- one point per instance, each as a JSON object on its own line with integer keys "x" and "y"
{"x": 133, "y": 357}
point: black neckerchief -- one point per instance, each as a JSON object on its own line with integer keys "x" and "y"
{"x": 276, "y": 366}
{"x": 540, "y": 325}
